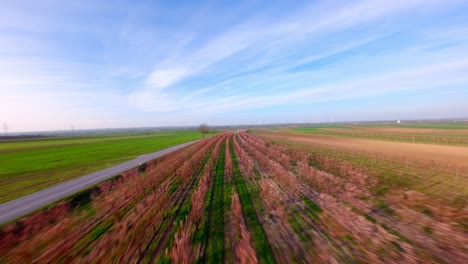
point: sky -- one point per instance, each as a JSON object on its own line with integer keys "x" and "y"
{"x": 110, "y": 64}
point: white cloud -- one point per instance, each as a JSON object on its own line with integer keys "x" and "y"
{"x": 259, "y": 34}
{"x": 160, "y": 79}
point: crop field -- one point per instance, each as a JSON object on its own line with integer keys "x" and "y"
{"x": 443, "y": 154}
{"x": 31, "y": 165}
{"x": 440, "y": 171}
{"x": 425, "y": 133}
{"x": 249, "y": 198}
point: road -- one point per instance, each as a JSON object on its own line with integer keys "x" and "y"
{"x": 26, "y": 204}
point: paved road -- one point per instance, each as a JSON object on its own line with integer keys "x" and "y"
{"x": 21, "y": 206}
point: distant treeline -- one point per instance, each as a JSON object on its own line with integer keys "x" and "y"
{"x": 21, "y": 137}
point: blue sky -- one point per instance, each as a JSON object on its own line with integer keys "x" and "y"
{"x": 99, "y": 64}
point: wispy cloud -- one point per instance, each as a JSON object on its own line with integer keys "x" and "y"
{"x": 137, "y": 63}
{"x": 425, "y": 78}
{"x": 254, "y": 35}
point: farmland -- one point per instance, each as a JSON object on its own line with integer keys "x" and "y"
{"x": 252, "y": 198}
{"x": 436, "y": 169}
{"x": 425, "y": 133}
{"x": 31, "y": 165}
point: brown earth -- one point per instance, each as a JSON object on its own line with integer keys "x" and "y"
{"x": 445, "y": 154}
{"x": 428, "y": 131}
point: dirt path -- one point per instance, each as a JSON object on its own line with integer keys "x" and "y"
{"x": 445, "y": 154}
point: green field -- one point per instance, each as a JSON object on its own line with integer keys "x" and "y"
{"x": 441, "y": 126}
{"x": 447, "y": 125}
{"x": 427, "y": 133}
{"x": 29, "y": 166}
{"x": 319, "y": 128}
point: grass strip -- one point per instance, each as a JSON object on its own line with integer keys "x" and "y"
{"x": 212, "y": 231}
{"x": 264, "y": 252}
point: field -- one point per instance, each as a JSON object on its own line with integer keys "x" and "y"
{"x": 250, "y": 198}
{"x": 31, "y": 165}
{"x": 438, "y": 168}
{"x": 455, "y": 133}
{"x": 457, "y": 155}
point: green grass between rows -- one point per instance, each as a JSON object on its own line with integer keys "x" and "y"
{"x": 212, "y": 232}
{"x": 265, "y": 254}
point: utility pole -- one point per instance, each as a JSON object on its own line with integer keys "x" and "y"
{"x": 5, "y": 128}
{"x": 72, "y": 130}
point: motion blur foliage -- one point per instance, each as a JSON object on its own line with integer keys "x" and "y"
{"x": 242, "y": 198}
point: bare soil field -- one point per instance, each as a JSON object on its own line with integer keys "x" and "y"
{"x": 444, "y": 154}
{"x": 415, "y": 130}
